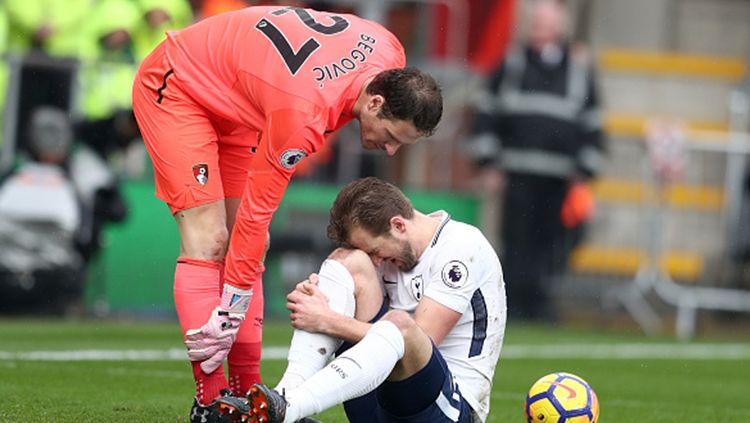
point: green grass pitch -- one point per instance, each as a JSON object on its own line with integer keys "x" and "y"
{"x": 637, "y": 379}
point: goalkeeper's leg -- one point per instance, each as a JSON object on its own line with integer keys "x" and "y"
{"x": 196, "y": 294}
{"x": 244, "y": 357}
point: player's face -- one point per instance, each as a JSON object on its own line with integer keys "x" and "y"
{"x": 379, "y": 133}
{"x": 388, "y": 247}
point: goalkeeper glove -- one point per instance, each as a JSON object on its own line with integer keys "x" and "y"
{"x": 211, "y": 343}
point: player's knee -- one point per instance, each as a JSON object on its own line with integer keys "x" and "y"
{"x": 368, "y": 294}
{"x": 214, "y": 245}
{"x": 343, "y": 254}
{"x": 403, "y": 321}
{"x": 355, "y": 261}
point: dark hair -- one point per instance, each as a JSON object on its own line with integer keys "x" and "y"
{"x": 410, "y": 95}
{"x": 367, "y": 203}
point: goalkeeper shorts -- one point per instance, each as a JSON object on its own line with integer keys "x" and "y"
{"x": 197, "y": 157}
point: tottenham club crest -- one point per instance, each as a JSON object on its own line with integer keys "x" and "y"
{"x": 291, "y": 157}
{"x": 417, "y": 287}
{"x": 455, "y": 274}
{"x": 200, "y": 172}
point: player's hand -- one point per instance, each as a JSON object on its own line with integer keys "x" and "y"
{"x": 309, "y": 308}
{"x": 210, "y": 344}
{"x": 305, "y": 286}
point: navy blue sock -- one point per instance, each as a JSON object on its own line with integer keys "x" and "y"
{"x": 412, "y": 395}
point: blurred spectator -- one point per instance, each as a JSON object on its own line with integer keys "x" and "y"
{"x": 157, "y": 17}
{"x": 45, "y": 248}
{"x": 107, "y": 58}
{"x": 537, "y": 134}
{"x": 108, "y": 66}
{"x": 51, "y": 26}
{"x": 208, "y": 8}
{"x": 3, "y": 64}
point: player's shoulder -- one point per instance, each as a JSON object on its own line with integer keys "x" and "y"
{"x": 454, "y": 239}
{"x": 463, "y": 237}
{"x": 457, "y": 255}
{"x": 459, "y": 235}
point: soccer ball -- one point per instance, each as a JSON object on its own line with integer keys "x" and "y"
{"x": 561, "y": 398}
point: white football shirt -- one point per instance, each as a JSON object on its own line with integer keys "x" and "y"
{"x": 460, "y": 270}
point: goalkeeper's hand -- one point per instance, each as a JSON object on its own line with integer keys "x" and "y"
{"x": 211, "y": 343}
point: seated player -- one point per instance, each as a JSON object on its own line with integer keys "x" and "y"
{"x": 432, "y": 357}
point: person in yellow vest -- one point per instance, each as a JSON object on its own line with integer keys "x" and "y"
{"x": 3, "y": 64}
{"x": 52, "y": 26}
{"x": 108, "y": 66}
{"x": 107, "y": 58}
{"x": 157, "y": 17}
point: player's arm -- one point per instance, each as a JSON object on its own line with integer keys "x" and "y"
{"x": 286, "y": 139}
{"x": 310, "y": 311}
{"x": 453, "y": 282}
{"x": 435, "y": 319}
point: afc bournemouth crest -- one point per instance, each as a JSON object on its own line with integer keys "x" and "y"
{"x": 200, "y": 172}
{"x": 454, "y": 274}
{"x": 289, "y": 158}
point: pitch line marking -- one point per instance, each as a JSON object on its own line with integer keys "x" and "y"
{"x": 632, "y": 351}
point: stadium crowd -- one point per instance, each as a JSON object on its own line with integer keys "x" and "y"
{"x": 81, "y": 56}
{"x": 67, "y": 72}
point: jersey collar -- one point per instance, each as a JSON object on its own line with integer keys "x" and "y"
{"x": 444, "y": 219}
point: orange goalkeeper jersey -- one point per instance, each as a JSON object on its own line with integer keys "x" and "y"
{"x": 291, "y": 74}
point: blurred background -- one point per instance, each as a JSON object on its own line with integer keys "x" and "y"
{"x": 600, "y": 144}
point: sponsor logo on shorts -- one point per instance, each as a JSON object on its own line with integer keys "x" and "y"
{"x": 200, "y": 172}
{"x": 454, "y": 274}
{"x": 291, "y": 157}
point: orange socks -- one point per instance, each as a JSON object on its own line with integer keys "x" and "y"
{"x": 244, "y": 366}
{"x": 197, "y": 287}
{"x": 244, "y": 358}
{"x": 196, "y": 294}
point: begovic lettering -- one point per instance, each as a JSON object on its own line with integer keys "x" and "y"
{"x": 346, "y": 64}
